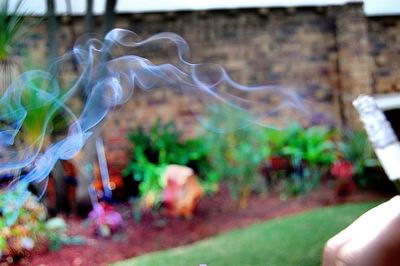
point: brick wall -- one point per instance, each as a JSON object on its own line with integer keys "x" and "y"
{"x": 328, "y": 55}
{"x": 353, "y": 59}
{"x": 384, "y": 39}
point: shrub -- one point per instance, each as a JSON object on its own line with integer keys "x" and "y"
{"x": 236, "y": 155}
{"x": 26, "y": 233}
{"x": 311, "y": 152}
{"x": 159, "y": 146}
{"x": 31, "y": 231}
{"x": 356, "y": 148}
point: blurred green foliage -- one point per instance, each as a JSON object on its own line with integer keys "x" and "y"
{"x": 310, "y": 150}
{"x": 160, "y": 145}
{"x": 12, "y": 25}
{"x": 29, "y": 229}
{"x": 236, "y": 154}
{"x": 236, "y": 150}
{"x": 356, "y": 148}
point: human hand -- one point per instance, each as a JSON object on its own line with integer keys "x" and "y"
{"x": 373, "y": 239}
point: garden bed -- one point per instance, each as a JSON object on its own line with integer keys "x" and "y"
{"x": 214, "y": 215}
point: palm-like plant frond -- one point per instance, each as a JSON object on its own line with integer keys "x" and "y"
{"x": 12, "y": 25}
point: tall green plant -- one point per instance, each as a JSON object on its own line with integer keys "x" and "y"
{"x": 41, "y": 111}
{"x": 12, "y": 25}
{"x": 36, "y": 98}
{"x": 236, "y": 155}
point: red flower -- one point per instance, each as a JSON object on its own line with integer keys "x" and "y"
{"x": 342, "y": 170}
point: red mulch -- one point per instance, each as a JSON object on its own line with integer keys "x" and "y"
{"x": 214, "y": 215}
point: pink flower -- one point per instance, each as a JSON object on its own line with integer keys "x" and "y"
{"x": 104, "y": 215}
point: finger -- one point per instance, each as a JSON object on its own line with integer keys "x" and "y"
{"x": 378, "y": 224}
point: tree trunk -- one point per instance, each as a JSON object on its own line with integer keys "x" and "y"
{"x": 109, "y": 16}
{"x": 52, "y": 31}
{"x": 89, "y": 16}
{"x": 58, "y": 172}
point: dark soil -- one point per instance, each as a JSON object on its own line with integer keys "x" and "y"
{"x": 214, "y": 215}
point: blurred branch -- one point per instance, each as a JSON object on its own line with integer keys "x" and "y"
{"x": 89, "y": 16}
{"x": 52, "y": 30}
{"x": 109, "y": 16}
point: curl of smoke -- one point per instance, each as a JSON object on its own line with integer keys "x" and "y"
{"x": 109, "y": 72}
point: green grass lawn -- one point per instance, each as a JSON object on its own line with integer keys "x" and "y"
{"x": 295, "y": 240}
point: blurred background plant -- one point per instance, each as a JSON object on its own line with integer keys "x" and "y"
{"x": 318, "y": 155}
{"x": 306, "y": 155}
{"x": 356, "y": 149}
{"x": 56, "y": 233}
{"x": 27, "y": 233}
{"x": 293, "y": 160}
{"x": 236, "y": 155}
{"x": 32, "y": 231}
{"x": 302, "y": 157}
{"x": 42, "y": 122}
{"x": 104, "y": 219}
{"x": 155, "y": 148}
{"x": 39, "y": 97}
{"x": 13, "y": 26}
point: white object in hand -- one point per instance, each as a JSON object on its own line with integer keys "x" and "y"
{"x": 381, "y": 135}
